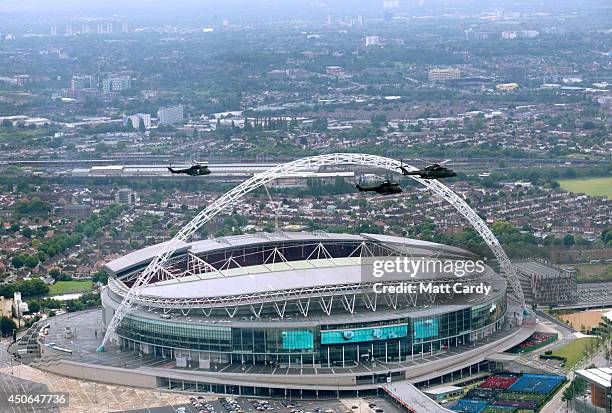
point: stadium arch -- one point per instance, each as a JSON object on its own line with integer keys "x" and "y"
{"x": 311, "y": 163}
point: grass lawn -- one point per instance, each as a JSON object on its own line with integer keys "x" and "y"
{"x": 69, "y": 287}
{"x": 574, "y": 351}
{"x": 590, "y": 186}
{"x": 594, "y": 272}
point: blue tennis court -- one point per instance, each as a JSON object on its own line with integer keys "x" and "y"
{"x": 469, "y": 406}
{"x": 536, "y": 383}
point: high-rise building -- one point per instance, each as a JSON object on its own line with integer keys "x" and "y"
{"x": 116, "y": 84}
{"x": 372, "y": 41}
{"x": 390, "y": 4}
{"x": 124, "y": 27}
{"x": 69, "y": 31}
{"x": 53, "y": 30}
{"x": 126, "y": 196}
{"x": 169, "y": 115}
{"x": 81, "y": 82}
{"x": 136, "y": 119}
{"x": 441, "y": 74}
{"x": 109, "y": 27}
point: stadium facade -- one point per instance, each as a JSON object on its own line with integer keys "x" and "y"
{"x": 288, "y": 300}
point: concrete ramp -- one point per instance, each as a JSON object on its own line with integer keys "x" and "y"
{"x": 412, "y": 399}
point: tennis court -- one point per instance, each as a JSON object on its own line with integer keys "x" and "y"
{"x": 536, "y": 383}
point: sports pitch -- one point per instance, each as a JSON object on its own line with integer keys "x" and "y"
{"x": 590, "y": 186}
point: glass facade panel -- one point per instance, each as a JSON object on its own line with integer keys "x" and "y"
{"x": 363, "y": 335}
{"x": 425, "y": 328}
{"x": 388, "y": 340}
{"x": 297, "y": 340}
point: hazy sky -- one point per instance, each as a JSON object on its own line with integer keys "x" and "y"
{"x": 295, "y": 7}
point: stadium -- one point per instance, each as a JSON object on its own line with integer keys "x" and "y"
{"x": 266, "y": 314}
{"x": 299, "y": 302}
{"x": 296, "y": 299}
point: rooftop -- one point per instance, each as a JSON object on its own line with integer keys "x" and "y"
{"x": 600, "y": 376}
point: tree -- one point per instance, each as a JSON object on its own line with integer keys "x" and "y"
{"x": 34, "y": 306}
{"x": 31, "y": 261}
{"x": 26, "y": 232}
{"x": 378, "y": 120}
{"x": 17, "y": 261}
{"x": 7, "y": 326}
{"x": 141, "y": 126}
{"x": 100, "y": 276}
{"x": 568, "y": 395}
{"x": 319, "y": 125}
{"x": 55, "y": 273}
{"x": 569, "y": 240}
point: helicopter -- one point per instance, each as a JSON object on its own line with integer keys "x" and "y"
{"x": 386, "y": 187}
{"x": 194, "y": 170}
{"x": 433, "y": 171}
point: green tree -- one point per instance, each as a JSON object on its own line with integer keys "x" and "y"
{"x": 17, "y": 261}
{"x": 7, "y": 326}
{"x": 26, "y": 232}
{"x": 34, "y": 306}
{"x": 31, "y": 261}
{"x": 569, "y": 240}
{"x": 100, "y": 276}
{"x": 319, "y": 125}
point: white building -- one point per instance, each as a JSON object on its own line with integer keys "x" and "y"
{"x": 372, "y": 41}
{"x": 390, "y": 4}
{"x": 170, "y": 115}
{"x": 449, "y": 73}
{"x": 333, "y": 70}
{"x": 530, "y": 33}
{"x": 126, "y": 196}
{"x": 136, "y": 118}
{"x": 19, "y": 306}
{"x": 116, "y": 84}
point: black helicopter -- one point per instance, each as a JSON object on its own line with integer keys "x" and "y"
{"x": 433, "y": 171}
{"x": 386, "y": 187}
{"x": 194, "y": 170}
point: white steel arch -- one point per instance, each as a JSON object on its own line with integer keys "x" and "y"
{"x": 231, "y": 197}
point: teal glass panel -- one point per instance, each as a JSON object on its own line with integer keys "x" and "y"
{"x": 426, "y": 328}
{"x": 363, "y": 334}
{"x": 297, "y": 340}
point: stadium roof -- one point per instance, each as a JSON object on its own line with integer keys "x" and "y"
{"x": 406, "y": 245}
{"x": 141, "y": 257}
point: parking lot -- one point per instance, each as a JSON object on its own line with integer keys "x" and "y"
{"x": 206, "y": 404}
{"x": 246, "y": 405}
